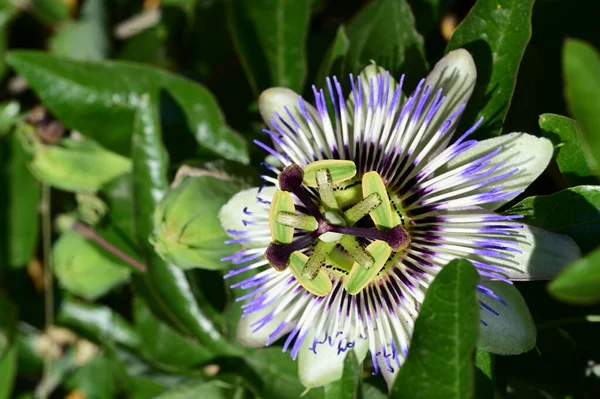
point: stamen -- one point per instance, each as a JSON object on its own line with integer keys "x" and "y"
{"x": 316, "y": 261}
{"x": 278, "y": 255}
{"x": 356, "y": 251}
{"x": 328, "y": 226}
{"x": 290, "y": 179}
{"x": 282, "y": 202}
{"x": 325, "y": 188}
{"x": 302, "y": 222}
{"x": 397, "y": 238}
{"x": 319, "y": 285}
{"x": 362, "y": 209}
{"x": 340, "y": 170}
{"x": 383, "y": 215}
{"x": 359, "y": 277}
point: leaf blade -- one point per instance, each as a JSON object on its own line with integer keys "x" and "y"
{"x": 101, "y": 100}
{"x": 164, "y": 285}
{"x": 581, "y": 66}
{"x": 276, "y": 29}
{"x": 579, "y": 283}
{"x": 573, "y": 212}
{"x": 566, "y": 136}
{"x": 19, "y": 227}
{"x": 496, "y": 34}
{"x": 349, "y": 386}
{"x": 447, "y": 326}
{"x": 385, "y": 32}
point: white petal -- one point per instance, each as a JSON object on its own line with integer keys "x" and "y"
{"x": 522, "y": 151}
{"x": 512, "y": 330}
{"x": 388, "y": 376}
{"x": 455, "y": 74}
{"x": 232, "y": 215}
{"x": 260, "y": 338}
{"x": 273, "y": 102}
{"x": 544, "y": 254}
{"x": 367, "y": 75}
{"x": 325, "y": 366}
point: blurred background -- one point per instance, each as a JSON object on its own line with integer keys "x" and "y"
{"x": 101, "y": 328}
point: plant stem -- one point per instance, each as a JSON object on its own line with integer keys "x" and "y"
{"x": 46, "y": 222}
{"x": 90, "y": 234}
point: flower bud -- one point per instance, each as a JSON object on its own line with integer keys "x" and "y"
{"x": 187, "y": 231}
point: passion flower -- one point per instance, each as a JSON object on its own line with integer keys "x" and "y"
{"x": 369, "y": 203}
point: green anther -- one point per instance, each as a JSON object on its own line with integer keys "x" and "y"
{"x": 362, "y": 209}
{"x": 356, "y": 251}
{"x": 302, "y": 222}
{"x": 359, "y": 277}
{"x": 339, "y": 170}
{"x": 320, "y": 285}
{"x": 325, "y": 188}
{"x": 383, "y": 215}
{"x": 282, "y": 202}
{"x": 316, "y": 261}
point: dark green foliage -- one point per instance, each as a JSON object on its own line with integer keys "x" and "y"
{"x": 176, "y": 82}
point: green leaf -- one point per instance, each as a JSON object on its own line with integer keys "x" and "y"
{"x": 581, "y": 66}
{"x": 566, "y": 136}
{"x": 8, "y": 318}
{"x": 270, "y": 37}
{"x": 349, "y": 386}
{"x": 50, "y": 11}
{"x": 86, "y": 39}
{"x": 484, "y": 375}
{"x": 574, "y": 212}
{"x": 440, "y": 359}
{"x": 97, "y": 322}
{"x": 164, "y": 346}
{"x": 8, "y": 372}
{"x": 97, "y": 379}
{"x": 579, "y": 283}
{"x": 384, "y": 31}
{"x": 116, "y": 90}
{"x": 143, "y": 380}
{"x": 143, "y": 387}
{"x": 200, "y": 389}
{"x": 279, "y": 374}
{"x": 370, "y": 392}
{"x": 164, "y": 286}
{"x": 496, "y": 33}
{"x": 485, "y": 362}
{"x": 74, "y": 164}
{"x": 117, "y": 193}
{"x": 27, "y": 344}
{"x": 334, "y": 57}
{"x": 18, "y": 204}
{"x": 9, "y": 116}
{"x": 7, "y": 12}
{"x": 84, "y": 268}
{"x": 148, "y": 47}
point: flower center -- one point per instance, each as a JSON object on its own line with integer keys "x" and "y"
{"x": 335, "y": 236}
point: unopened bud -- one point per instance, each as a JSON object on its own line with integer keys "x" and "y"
{"x": 187, "y": 231}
